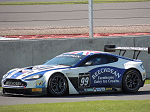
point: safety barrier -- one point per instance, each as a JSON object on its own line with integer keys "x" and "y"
{"x": 22, "y": 53}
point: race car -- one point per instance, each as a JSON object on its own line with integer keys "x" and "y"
{"x": 79, "y": 72}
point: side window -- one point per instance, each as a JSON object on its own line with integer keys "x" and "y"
{"x": 99, "y": 60}
{"x": 111, "y": 59}
{"x": 95, "y": 60}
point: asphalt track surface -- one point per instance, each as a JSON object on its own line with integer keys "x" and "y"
{"x": 143, "y": 94}
{"x": 105, "y": 14}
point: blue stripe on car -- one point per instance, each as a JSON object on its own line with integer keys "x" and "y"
{"x": 16, "y": 75}
{"x": 42, "y": 73}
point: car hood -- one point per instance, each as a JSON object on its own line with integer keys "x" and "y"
{"x": 22, "y": 73}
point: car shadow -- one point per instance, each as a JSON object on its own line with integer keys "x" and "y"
{"x": 86, "y": 95}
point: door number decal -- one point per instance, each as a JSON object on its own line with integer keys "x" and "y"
{"x": 84, "y": 80}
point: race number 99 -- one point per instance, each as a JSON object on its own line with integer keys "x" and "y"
{"x": 84, "y": 80}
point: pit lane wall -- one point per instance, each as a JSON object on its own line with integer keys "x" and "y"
{"x": 22, "y": 53}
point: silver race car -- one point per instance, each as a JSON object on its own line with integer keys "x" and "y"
{"x": 79, "y": 72}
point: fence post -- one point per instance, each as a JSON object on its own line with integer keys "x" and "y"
{"x": 90, "y": 4}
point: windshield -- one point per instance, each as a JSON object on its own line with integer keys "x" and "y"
{"x": 65, "y": 59}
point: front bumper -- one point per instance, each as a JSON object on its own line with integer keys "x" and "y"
{"x": 21, "y": 87}
{"x": 24, "y": 91}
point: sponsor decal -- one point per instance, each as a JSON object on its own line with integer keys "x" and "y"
{"x": 89, "y": 90}
{"x": 37, "y": 90}
{"x": 40, "y": 84}
{"x": 13, "y": 83}
{"x": 99, "y": 89}
{"x": 106, "y": 70}
{"x": 102, "y": 89}
{"x": 105, "y": 76}
{"x": 109, "y": 89}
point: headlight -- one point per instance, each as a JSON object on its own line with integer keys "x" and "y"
{"x": 34, "y": 77}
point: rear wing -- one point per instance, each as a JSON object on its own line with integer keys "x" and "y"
{"x": 136, "y": 50}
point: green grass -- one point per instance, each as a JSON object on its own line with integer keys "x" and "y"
{"x": 147, "y": 82}
{"x": 0, "y": 89}
{"x": 87, "y": 106}
{"x": 68, "y": 2}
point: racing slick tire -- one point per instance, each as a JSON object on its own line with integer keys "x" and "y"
{"x": 57, "y": 85}
{"x": 131, "y": 81}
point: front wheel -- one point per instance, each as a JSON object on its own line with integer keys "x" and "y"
{"x": 131, "y": 81}
{"x": 57, "y": 85}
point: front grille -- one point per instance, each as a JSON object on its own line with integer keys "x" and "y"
{"x": 16, "y": 91}
{"x": 15, "y": 82}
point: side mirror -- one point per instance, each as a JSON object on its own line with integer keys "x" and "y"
{"x": 89, "y": 63}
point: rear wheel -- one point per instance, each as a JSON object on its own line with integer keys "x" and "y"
{"x": 131, "y": 81}
{"x": 57, "y": 85}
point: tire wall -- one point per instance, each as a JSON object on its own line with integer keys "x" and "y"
{"x": 22, "y": 53}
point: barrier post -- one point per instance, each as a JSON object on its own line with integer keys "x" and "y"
{"x": 90, "y": 4}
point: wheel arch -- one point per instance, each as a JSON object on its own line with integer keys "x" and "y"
{"x": 129, "y": 70}
{"x": 49, "y": 74}
{"x": 59, "y": 73}
{"x": 132, "y": 69}
{"x": 71, "y": 88}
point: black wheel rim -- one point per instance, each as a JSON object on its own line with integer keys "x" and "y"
{"x": 132, "y": 80}
{"x": 58, "y": 85}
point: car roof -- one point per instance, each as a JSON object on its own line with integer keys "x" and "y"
{"x": 90, "y": 52}
{"x": 86, "y": 52}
